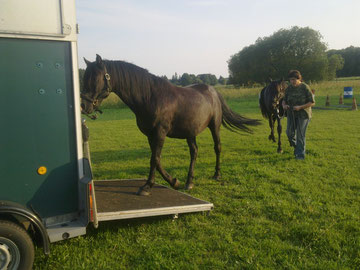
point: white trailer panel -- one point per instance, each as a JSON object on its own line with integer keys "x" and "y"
{"x": 38, "y": 19}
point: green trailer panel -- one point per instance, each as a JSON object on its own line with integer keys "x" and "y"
{"x": 38, "y": 126}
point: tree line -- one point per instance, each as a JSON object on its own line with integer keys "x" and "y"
{"x": 273, "y": 57}
{"x": 351, "y": 56}
{"x": 187, "y": 79}
{"x": 287, "y": 49}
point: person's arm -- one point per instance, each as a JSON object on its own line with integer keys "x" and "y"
{"x": 302, "y": 107}
{"x": 284, "y": 105}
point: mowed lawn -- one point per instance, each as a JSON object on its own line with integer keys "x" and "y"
{"x": 270, "y": 210}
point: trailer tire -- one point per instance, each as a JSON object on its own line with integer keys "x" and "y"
{"x": 16, "y": 247}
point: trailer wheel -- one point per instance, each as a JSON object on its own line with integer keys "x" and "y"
{"x": 16, "y": 247}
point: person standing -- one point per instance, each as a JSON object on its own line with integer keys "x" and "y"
{"x": 297, "y": 102}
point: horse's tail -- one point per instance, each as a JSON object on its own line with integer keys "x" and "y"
{"x": 234, "y": 121}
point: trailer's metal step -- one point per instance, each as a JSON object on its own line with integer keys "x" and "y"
{"x": 67, "y": 230}
{"x": 117, "y": 199}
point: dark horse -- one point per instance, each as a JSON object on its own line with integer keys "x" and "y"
{"x": 270, "y": 104}
{"x": 161, "y": 110}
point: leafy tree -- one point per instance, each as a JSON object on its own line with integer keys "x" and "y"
{"x": 222, "y": 80}
{"x": 273, "y": 56}
{"x": 185, "y": 79}
{"x": 175, "y": 79}
{"x": 336, "y": 62}
{"x": 208, "y": 78}
{"x": 230, "y": 81}
{"x": 195, "y": 79}
{"x": 351, "y": 56}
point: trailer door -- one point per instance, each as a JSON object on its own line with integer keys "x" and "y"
{"x": 38, "y": 159}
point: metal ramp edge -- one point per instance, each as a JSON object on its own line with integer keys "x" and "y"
{"x": 154, "y": 212}
{"x": 117, "y": 199}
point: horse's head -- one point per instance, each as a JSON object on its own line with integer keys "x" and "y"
{"x": 97, "y": 86}
{"x": 279, "y": 86}
{"x": 275, "y": 93}
{"x": 282, "y": 85}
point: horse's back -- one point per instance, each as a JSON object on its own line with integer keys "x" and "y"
{"x": 200, "y": 87}
{"x": 197, "y": 106}
{"x": 198, "y": 91}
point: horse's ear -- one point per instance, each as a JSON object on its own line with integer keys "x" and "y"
{"x": 270, "y": 80}
{"x": 99, "y": 60}
{"x": 87, "y": 62}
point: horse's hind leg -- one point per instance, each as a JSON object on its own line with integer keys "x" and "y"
{"x": 215, "y": 132}
{"x": 193, "y": 155}
{"x": 279, "y": 130}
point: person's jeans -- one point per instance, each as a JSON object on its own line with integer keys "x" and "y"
{"x": 296, "y": 131}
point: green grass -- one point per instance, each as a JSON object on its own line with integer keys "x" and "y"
{"x": 271, "y": 211}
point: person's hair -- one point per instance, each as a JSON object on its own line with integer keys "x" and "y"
{"x": 295, "y": 74}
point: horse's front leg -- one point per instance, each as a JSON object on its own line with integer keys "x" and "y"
{"x": 156, "y": 143}
{"x": 271, "y": 125}
{"x": 279, "y": 130}
{"x": 167, "y": 177}
{"x": 193, "y": 155}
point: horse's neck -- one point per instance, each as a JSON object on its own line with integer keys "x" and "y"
{"x": 124, "y": 95}
{"x": 129, "y": 91}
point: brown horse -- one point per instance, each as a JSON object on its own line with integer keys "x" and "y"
{"x": 270, "y": 104}
{"x": 161, "y": 110}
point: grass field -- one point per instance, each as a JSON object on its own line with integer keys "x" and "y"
{"x": 271, "y": 211}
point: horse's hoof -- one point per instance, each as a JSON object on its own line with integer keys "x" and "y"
{"x": 272, "y": 138}
{"x": 217, "y": 176}
{"x": 143, "y": 192}
{"x": 175, "y": 185}
{"x": 189, "y": 186}
{"x": 280, "y": 151}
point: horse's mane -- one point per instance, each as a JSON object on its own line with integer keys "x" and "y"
{"x": 135, "y": 82}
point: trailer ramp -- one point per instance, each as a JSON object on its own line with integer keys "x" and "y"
{"x": 117, "y": 199}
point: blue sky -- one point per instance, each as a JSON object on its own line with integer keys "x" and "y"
{"x": 200, "y": 36}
